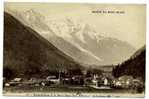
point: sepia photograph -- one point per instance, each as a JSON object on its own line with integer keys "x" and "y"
{"x": 74, "y": 49}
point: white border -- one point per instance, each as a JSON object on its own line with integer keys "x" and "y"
{"x": 1, "y": 43}
{"x": 147, "y": 52}
{"x": 83, "y": 1}
{"x": 76, "y": 1}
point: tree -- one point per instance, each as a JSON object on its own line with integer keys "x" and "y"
{"x": 8, "y": 73}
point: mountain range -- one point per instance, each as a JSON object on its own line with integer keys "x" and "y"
{"x": 77, "y": 39}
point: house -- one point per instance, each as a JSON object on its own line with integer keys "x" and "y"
{"x": 17, "y": 80}
{"x": 53, "y": 79}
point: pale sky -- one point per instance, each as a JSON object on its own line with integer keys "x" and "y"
{"x": 129, "y": 26}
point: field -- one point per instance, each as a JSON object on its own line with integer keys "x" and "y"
{"x": 69, "y": 91}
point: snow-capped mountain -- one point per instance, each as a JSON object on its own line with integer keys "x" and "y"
{"x": 83, "y": 36}
{"x": 77, "y": 39}
{"x": 69, "y": 29}
{"x": 32, "y": 19}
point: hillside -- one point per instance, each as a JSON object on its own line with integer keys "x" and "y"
{"x": 26, "y": 53}
{"x": 135, "y": 66}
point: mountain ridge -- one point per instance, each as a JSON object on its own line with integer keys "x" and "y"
{"x": 134, "y": 66}
{"x": 91, "y": 46}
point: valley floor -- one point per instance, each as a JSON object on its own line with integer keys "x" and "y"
{"x": 70, "y": 91}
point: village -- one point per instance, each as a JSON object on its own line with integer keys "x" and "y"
{"x": 96, "y": 80}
